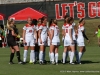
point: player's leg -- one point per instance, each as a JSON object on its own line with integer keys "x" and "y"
{"x": 68, "y": 52}
{"x": 32, "y": 53}
{"x": 99, "y": 41}
{"x": 76, "y": 52}
{"x": 16, "y": 48}
{"x": 26, "y": 46}
{"x": 64, "y": 52}
{"x": 56, "y": 55}
{"x": 42, "y": 47}
{"x": 80, "y": 53}
{"x": 11, "y": 55}
{"x": 72, "y": 54}
{"x": 37, "y": 48}
{"x": 52, "y": 53}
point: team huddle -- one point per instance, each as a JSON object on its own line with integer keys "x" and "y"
{"x": 39, "y": 35}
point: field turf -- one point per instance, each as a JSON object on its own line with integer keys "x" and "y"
{"x": 90, "y": 64}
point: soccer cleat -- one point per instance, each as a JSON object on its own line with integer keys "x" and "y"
{"x": 40, "y": 62}
{"x": 20, "y": 62}
{"x": 56, "y": 63}
{"x": 11, "y": 63}
{"x": 53, "y": 63}
{"x": 31, "y": 62}
{"x": 72, "y": 63}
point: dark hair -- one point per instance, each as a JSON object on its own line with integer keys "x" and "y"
{"x": 43, "y": 18}
{"x": 34, "y": 21}
{"x": 66, "y": 16}
{"x": 99, "y": 26}
{"x": 52, "y": 21}
{"x": 81, "y": 20}
{"x": 69, "y": 19}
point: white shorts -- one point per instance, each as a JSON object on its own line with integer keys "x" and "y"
{"x": 68, "y": 43}
{"x": 29, "y": 43}
{"x": 43, "y": 43}
{"x": 80, "y": 44}
{"x": 56, "y": 43}
{"x": 48, "y": 43}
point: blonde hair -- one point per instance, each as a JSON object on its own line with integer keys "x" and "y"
{"x": 9, "y": 21}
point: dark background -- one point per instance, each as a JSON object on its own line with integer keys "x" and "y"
{"x": 47, "y": 7}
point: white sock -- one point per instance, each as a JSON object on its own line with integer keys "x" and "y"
{"x": 49, "y": 56}
{"x": 76, "y": 55}
{"x": 44, "y": 55}
{"x": 71, "y": 57}
{"x": 80, "y": 55}
{"x": 56, "y": 57}
{"x": 64, "y": 57}
{"x": 30, "y": 57}
{"x": 69, "y": 53}
{"x": 41, "y": 56}
{"x": 33, "y": 55}
{"x": 25, "y": 55}
{"x": 52, "y": 57}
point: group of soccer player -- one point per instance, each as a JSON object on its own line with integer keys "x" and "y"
{"x": 38, "y": 35}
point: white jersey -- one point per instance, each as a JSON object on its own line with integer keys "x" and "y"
{"x": 66, "y": 28}
{"x": 80, "y": 35}
{"x": 29, "y": 32}
{"x": 56, "y": 33}
{"x": 43, "y": 32}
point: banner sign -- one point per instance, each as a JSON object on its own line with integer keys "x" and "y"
{"x": 91, "y": 10}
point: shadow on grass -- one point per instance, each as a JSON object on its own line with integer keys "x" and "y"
{"x": 89, "y": 62}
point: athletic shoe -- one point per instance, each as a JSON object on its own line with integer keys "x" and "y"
{"x": 56, "y": 63}
{"x": 11, "y": 63}
{"x": 40, "y": 62}
{"x": 53, "y": 63}
{"x": 20, "y": 62}
{"x": 31, "y": 62}
{"x": 72, "y": 63}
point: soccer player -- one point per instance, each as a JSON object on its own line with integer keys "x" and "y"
{"x": 80, "y": 39}
{"x": 54, "y": 41}
{"x": 68, "y": 39}
{"x": 98, "y": 34}
{"x": 42, "y": 39}
{"x": 36, "y": 23}
{"x": 29, "y": 30}
{"x": 11, "y": 35}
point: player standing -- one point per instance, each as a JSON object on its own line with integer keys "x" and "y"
{"x": 42, "y": 39}
{"x": 54, "y": 41}
{"x": 98, "y": 34}
{"x": 68, "y": 39}
{"x": 80, "y": 38}
{"x": 29, "y": 30}
{"x": 11, "y": 40}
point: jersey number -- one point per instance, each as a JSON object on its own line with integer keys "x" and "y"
{"x": 66, "y": 30}
{"x": 30, "y": 31}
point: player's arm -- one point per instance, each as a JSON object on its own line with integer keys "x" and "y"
{"x": 13, "y": 33}
{"x": 96, "y": 32}
{"x": 70, "y": 34}
{"x": 23, "y": 35}
{"x": 84, "y": 35}
{"x": 36, "y": 35}
{"x": 52, "y": 34}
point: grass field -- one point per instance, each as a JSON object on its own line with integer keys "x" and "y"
{"x": 90, "y": 60}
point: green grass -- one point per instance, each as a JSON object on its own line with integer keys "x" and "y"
{"x": 91, "y": 60}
